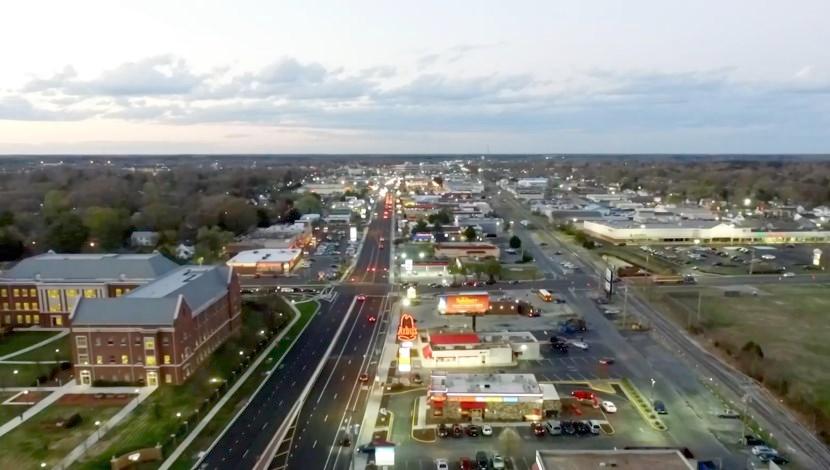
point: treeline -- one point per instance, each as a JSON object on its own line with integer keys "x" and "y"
{"x": 74, "y": 210}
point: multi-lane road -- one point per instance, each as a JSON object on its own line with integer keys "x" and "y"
{"x": 249, "y": 442}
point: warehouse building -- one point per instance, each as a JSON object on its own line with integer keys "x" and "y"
{"x": 467, "y": 349}
{"x": 265, "y": 262}
{"x": 622, "y": 459}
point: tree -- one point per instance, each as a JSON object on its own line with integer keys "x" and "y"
{"x": 107, "y": 226}
{"x": 236, "y": 215}
{"x": 11, "y": 244}
{"x": 443, "y": 216}
{"x": 420, "y": 226}
{"x": 515, "y": 242}
{"x": 263, "y": 219}
{"x": 67, "y": 233}
{"x": 437, "y": 228}
{"x": 309, "y": 203}
{"x": 469, "y": 233}
{"x": 211, "y": 243}
{"x": 160, "y": 216}
{"x": 456, "y": 268}
{"x": 6, "y": 218}
{"x": 55, "y": 202}
{"x": 493, "y": 269}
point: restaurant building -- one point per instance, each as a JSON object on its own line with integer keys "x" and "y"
{"x": 490, "y": 397}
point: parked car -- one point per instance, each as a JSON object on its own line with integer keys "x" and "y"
{"x": 538, "y": 429}
{"x": 751, "y": 440}
{"x": 466, "y": 463}
{"x": 443, "y": 430}
{"x": 580, "y": 345}
{"x": 758, "y": 450}
{"x": 606, "y": 361}
{"x": 473, "y": 430}
{"x": 486, "y": 430}
{"x": 775, "y": 458}
{"x": 457, "y": 431}
{"x": 554, "y": 428}
{"x": 498, "y": 462}
{"x": 660, "y": 408}
{"x": 416, "y": 379}
{"x": 482, "y": 460}
{"x": 442, "y": 464}
{"x": 583, "y": 395}
{"x": 608, "y": 406}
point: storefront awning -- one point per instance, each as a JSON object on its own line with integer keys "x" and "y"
{"x": 473, "y": 405}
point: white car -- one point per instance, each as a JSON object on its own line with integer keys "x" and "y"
{"x": 442, "y": 464}
{"x": 497, "y": 462}
{"x": 486, "y": 430}
{"x": 609, "y": 407}
{"x": 789, "y": 274}
{"x": 758, "y": 450}
{"x": 579, "y": 345}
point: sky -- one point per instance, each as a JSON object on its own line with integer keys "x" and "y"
{"x": 242, "y": 76}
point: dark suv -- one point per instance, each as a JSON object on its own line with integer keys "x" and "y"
{"x": 482, "y": 460}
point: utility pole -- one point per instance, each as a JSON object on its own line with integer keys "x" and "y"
{"x": 699, "y": 301}
{"x": 751, "y": 261}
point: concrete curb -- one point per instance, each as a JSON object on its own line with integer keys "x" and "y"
{"x": 171, "y": 459}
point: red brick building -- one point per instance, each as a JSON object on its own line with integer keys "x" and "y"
{"x": 43, "y": 289}
{"x": 158, "y": 333}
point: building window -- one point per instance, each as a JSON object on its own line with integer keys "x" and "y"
{"x": 20, "y": 319}
{"x": 32, "y": 292}
{"x": 165, "y": 340}
{"x": 167, "y": 359}
{"x": 28, "y": 319}
{"x": 58, "y": 320}
{"x": 123, "y": 341}
{"x": 118, "y": 292}
{"x": 83, "y": 359}
{"x": 99, "y": 359}
{"x": 110, "y": 342}
{"x": 35, "y": 306}
{"x": 111, "y": 360}
{"x": 97, "y": 341}
{"x": 26, "y": 306}
{"x": 137, "y": 341}
{"x": 5, "y": 305}
{"x": 17, "y": 305}
{"x": 54, "y": 308}
{"x": 4, "y": 293}
{"x": 125, "y": 359}
{"x": 36, "y": 318}
{"x": 53, "y": 293}
{"x": 7, "y": 319}
{"x": 80, "y": 341}
{"x": 90, "y": 293}
{"x": 150, "y": 351}
{"x": 17, "y": 292}
{"x": 168, "y": 378}
{"x": 70, "y": 293}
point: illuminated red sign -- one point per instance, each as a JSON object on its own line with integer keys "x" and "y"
{"x": 406, "y": 328}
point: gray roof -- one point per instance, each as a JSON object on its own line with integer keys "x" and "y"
{"x": 155, "y": 303}
{"x": 198, "y": 284}
{"x": 58, "y": 267}
{"x": 123, "y": 311}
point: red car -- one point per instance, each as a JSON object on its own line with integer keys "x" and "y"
{"x": 538, "y": 429}
{"x": 372, "y": 319}
{"x": 583, "y": 395}
{"x": 363, "y": 378}
{"x": 465, "y": 463}
{"x": 361, "y": 297}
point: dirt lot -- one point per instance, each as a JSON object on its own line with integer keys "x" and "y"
{"x": 788, "y": 323}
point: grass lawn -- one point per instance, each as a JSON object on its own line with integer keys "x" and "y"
{"x": 229, "y": 410}
{"x": 518, "y": 272}
{"x": 25, "y": 376}
{"x": 8, "y": 412}
{"x": 155, "y": 420}
{"x": 39, "y": 440}
{"x": 47, "y": 352}
{"x": 788, "y": 322}
{"x": 18, "y": 340}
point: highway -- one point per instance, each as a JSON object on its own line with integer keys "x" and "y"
{"x": 245, "y": 441}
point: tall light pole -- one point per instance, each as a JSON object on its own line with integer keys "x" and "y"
{"x": 652, "y": 390}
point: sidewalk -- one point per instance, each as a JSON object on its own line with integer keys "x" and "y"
{"x": 63, "y": 332}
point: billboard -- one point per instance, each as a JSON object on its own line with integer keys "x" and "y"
{"x": 476, "y": 303}
{"x": 406, "y": 328}
{"x": 353, "y": 233}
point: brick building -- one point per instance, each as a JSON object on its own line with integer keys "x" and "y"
{"x": 158, "y": 333}
{"x": 43, "y": 289}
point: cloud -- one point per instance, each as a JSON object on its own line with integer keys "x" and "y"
{"x": 159, "y": 75}
{"x": 16, "y": 108}
{"x": 452, "y": 54}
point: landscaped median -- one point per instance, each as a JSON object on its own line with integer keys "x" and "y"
{"x": 642, "y": 405}
{"x": 171, "y": 412}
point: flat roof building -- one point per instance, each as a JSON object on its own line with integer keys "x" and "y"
{"x": 466, "y": 250}
{"x": 696, "y": 231}
{"x": 634, "y": 459}
{"x": 265, "y": 261}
